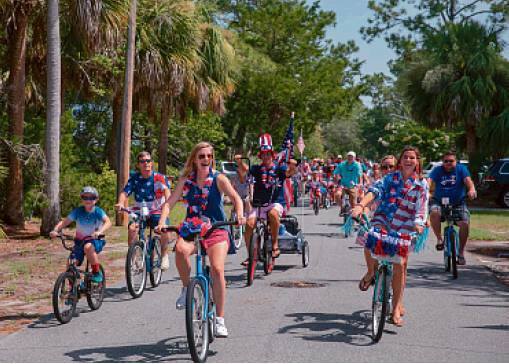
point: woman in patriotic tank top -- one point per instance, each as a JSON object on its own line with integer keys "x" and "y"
{"x": 202, "y": 188}
{"x": 403, "y": 211}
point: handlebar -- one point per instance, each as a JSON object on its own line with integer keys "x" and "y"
{"x": 215, "y": 226}
{"x": 86, "y": 239}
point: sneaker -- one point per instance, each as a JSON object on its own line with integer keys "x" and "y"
{"x": 97, "y": 277}
{"x": 181, "y": 301}
{"x": 221, "y": 330}
{"x": 165, "y": 264}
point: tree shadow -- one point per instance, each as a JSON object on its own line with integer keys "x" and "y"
{"x": 489, "y": 327}
{"x": 471, "y": 279}
{"x": 351, "y": 329}
{"x": 171, "y": 349}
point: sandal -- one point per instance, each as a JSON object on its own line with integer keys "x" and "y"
{"x": 440, "y": 245}
{"x": 278, "y": 251}
{"x": 461, "y": 260}
{"x": 245, "y": 263}
{"x": 396, "y": 321}
{"x": 364, "y": 283}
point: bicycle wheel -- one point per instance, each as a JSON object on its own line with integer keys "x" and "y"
{"x": 64, "y": 300}
{"x": 267, "y": 256}
{"x": 453, "y": 241}
{"x": 212, "y": 318}
{"x": 379, "y": 304}
{"x": 305, "y": 254}
{"x": 95, "y": 291}
{"x": 253, "y": 257}
{"x": 155, "y": 262}
{"x": 197, "y": 327}
{"x": 316, "y": 206}
{"x": 136, "y": 270}
{"x": 447, "y": 254}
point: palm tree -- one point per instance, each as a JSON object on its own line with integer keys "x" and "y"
{"x": 53, "y": 98}
{"x": 458, "y": 80}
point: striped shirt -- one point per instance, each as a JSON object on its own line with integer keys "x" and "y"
{"x": 403, "y": 204}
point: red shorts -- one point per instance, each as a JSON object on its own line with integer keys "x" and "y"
{"x": 217, "y": 236}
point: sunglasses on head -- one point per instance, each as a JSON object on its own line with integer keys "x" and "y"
{"x": 88, "y": 198}
{"x": 142, "y": 161}
{"x": 385, "y": 166}
{"x": 203, "y": 156}
{"x": 449, "y": 160}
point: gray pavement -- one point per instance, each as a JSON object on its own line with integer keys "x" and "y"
{"x": 447, "y": 321}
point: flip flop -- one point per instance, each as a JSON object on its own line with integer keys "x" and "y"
{"x": 439, "y": 246}
{"x": 461, "y": 260}
{"x": 278, "y": 253}
{"x": 364, "y": 283}
{"x": 396, "y": 322}
{"x": 245, "y": 263}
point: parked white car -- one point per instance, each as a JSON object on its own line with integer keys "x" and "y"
{"x": 427, "y": 169}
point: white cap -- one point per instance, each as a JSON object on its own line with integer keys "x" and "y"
{"x": 339, "y": 156}
{"x": 350, "y": 153}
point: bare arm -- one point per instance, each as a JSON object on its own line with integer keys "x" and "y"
{"x": 292, "y": 168}
{"x": 225, "y": 187}
{"x": 122, "y": 198}
{"x": 171, "y": 201}
{"x": 242, "y": 168}
{"x": 366, "y": 200}
{"x": 471, "y": 192}
{"x": 106, "y": 226}
{"x": 61, "y": 225}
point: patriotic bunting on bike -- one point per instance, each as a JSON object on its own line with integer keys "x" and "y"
{"x": 283, "y": 157}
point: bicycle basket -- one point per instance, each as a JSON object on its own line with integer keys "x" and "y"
{"x": 390, "y": 246}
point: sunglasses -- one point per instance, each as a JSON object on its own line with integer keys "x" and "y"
{"x": 384, "y": 167}
{"x": 88, "y": 198}
{"x": 203, "y": 156}
{"x": 449, "y": 161}
{"x": 142, "y": 161}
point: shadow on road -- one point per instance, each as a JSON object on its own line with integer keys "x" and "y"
{"x": 172, "y": 349}
{"x": 471, "y": 279}
{"x": 489, "y": 327}
{"x": 351, "y": 329}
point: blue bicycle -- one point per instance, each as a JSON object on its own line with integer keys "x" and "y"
{"x": 144, "y": 255}
{"x": 200, "y": 307}
{"x": 451, "y": 214}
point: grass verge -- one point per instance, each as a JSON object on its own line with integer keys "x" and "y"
{"x": 489, "y": 225}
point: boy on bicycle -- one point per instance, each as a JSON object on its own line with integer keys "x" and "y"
{"x": 91, "y": 222}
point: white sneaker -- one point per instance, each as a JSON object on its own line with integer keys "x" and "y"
{"x": 165, "y": 263}
{"x": 221, "y": 330}
{"x": 181, "y": 301}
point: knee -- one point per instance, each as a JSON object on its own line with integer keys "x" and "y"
{"x": 132, "y": 228}
{"x": 434, "y": 214}
{"x": 463, "y": 224}
{"x": 250, "y": 224}
{"x": 181, "y": 249}
{"x": 217, "y": 270}
{"x": 88, "y": 248}
{"x": 274, "y": 216}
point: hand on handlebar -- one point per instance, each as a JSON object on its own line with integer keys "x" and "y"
{"x": 118, "y": 206}
{"x": 419, "y": 229}
{"x": 158, "y": 228}
{"x": 241, "y": 220}
{"x": 53, "y": 234}
{"x": 237, "y": 157}
{"x": 472, "y": 194}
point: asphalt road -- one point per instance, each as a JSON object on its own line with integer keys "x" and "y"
{"x": 447, "y": 320}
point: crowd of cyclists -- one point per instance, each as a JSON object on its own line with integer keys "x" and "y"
{"x": 393, "y": 192}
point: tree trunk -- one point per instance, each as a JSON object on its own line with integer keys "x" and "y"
{"x": 51, "y": 214}
{"x": 16, "y": 50}
{"x": 112, "y": 150}
{"x": 125, "y": 140}
{"x": 163, "y": 136}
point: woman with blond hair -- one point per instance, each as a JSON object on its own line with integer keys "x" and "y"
{"x": 202, "y": 188}
{"x": 402, "y": 212}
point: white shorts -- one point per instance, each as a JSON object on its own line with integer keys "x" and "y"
{"x": 264, "y": 210}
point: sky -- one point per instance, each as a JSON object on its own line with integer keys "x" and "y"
{"x": 351, "y": 15}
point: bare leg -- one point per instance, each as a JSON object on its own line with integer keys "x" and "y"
{"x": 132, "y": 233}
{"x": 217, "y": 255}
{"x": 273, "y": 217}
{"x": 398, "y": 282}
{"x": 464, "y": 230}
{"x": 91, "y": 254}
{"x": 250, "y": 224}
{"x": 434, "y": 218}
{"x": 182, "y": 253}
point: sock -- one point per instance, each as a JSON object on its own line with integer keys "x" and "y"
{"x": 95, "y": 268}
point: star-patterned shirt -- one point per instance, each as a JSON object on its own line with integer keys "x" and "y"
{"x": 148, "y": 190}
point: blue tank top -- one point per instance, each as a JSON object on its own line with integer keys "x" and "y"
{"x": 215, "y": 207}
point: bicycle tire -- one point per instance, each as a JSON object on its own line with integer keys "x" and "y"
{"x": 251, "y": 265}
{"x": 212, "y": 318}
{"x": 267, "y": 257}
{"x": 305, "y": 254}
{"x": 64, "y": 281}
{"x": 197, "y": 329}
{"x": 379, "y": 304}
{"x": 95, "y": 298}
{"x": 447, "y": 254}
{"x": 454, "y": 259}
{"x": 156, "y": 256}
{"x": 135, "y": 290}
{"x": 316, "y": 207}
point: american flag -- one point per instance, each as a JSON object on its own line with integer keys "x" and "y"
{"x": 283, "y": 157}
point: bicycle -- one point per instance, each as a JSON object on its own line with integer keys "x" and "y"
{"x": 451, "y": 214}
{"x": 345, "y": 210}
{"x": 200, "y": 306}
{"x": 260, "y": 247}
{"x": 69, "y": 285}
{"x": 237, "y": 232}
{"x": 143, "y": 256}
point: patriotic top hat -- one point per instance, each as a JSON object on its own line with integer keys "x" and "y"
{"x": 265, "y": 143}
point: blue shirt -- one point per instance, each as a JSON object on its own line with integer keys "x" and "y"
{"x": 148, "y": 190}
{"x": 450, "y": 184}
{"x": 87, "y": 222}
{"x": 350, "y": 173}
